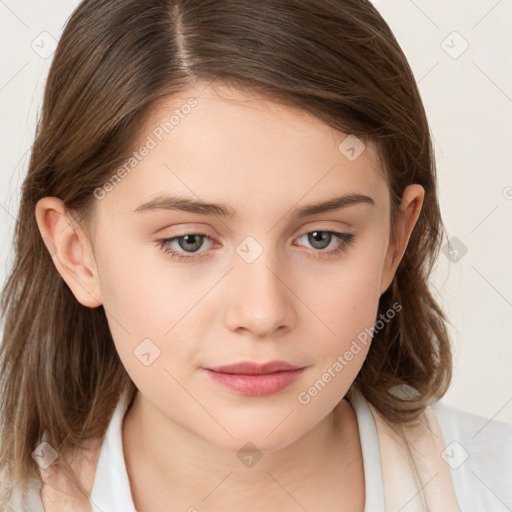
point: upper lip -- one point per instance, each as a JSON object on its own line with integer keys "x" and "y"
{"x": 252, "y": 368}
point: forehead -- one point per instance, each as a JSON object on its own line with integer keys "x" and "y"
{"x": 225, "y": 145}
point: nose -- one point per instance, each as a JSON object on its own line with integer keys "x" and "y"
{"x": 260, "y": 300}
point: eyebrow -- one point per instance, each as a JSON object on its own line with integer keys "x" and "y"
{"x": 219, "y": 209}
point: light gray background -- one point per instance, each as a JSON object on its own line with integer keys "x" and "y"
{"x": 468, "y": 98}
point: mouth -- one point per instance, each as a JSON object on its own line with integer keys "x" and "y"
{"x": 256, "y": 379}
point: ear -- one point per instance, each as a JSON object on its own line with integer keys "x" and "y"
{"x": 410, "y": 208}
{"x": 70, "y": 250}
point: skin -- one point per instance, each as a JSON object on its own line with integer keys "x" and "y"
{"x": 293, "y": 302}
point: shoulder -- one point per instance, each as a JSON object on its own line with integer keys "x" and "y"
{"x": 24, "y": 497}
{"x": 479, "y": 453}
{"x": 59, "y": 493}
{"x": 486, "y": 437}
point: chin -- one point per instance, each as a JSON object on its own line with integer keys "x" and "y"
{"x": 254, "y": 438}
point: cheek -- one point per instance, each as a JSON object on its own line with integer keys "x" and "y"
{"x": 350, "y": 317}
{"x": 146, "y": 294}
{"x": 347, "y": 299}
{"x": 155, "y": 311}
{"x": 347, "y": 303}
{"x": 348, "y": 309}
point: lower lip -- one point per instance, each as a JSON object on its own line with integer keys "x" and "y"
{"x": 256, "y": 385}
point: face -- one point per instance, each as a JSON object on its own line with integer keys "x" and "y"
{"x": 258, "y": 278}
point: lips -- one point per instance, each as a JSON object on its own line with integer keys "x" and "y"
{"x": 255, "y": 379}
{"x": 251, "y": 368}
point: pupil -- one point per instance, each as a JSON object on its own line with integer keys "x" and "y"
{"x": 320, "y": 236}
{"x": 187, "y": 241}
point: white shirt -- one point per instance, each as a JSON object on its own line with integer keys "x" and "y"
{"x": 478, "y": 451}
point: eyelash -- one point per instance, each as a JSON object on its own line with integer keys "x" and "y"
{"x": 346, "y": 241}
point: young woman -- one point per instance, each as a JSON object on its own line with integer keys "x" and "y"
{"x": 292, "y": 357}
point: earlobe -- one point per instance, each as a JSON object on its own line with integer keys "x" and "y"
{"x": 410, "y": 209}
{"x": 70, "y": 250}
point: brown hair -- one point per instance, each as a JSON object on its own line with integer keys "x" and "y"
{"x": 337, "y": 59}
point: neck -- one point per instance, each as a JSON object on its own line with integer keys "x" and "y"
{"x": 170, "y": 468}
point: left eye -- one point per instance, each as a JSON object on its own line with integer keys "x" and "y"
{"x": 320, "y": 237}
{"x": 190, "y": 243}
